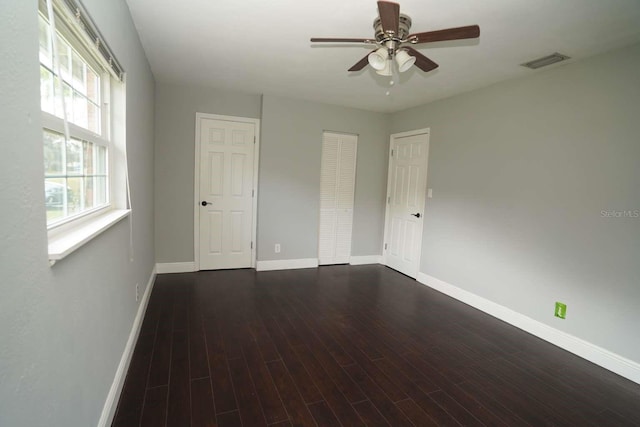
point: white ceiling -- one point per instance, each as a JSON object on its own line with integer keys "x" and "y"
{"x": 262, "y": 47}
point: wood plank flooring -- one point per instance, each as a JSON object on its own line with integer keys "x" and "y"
{"x": 350, "y": 346}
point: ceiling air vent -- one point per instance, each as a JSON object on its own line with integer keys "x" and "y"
{"x": 547, "y": 60}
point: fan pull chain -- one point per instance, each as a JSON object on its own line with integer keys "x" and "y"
{"x": 392, "y": 79}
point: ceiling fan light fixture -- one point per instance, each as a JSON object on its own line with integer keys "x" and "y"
{"x": 387, "y": 70}
{"x": 393, "y": 39}
{"x": 404, "y": 60}
{"x": 378, "y": 58}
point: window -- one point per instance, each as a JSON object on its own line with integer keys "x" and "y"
{"x": 83, "y": 148}
{"x": 76, "y": 178}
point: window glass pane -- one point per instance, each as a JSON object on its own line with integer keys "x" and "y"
{"x": 74, "y": 194}
{"x": 80, "y": 88}
{"x": 93, "y": 86}
{"x": 88, "y": 193}
{"x": 68, "y": 101}
{"x": 54, "y": 196}
{"x": 75, "y": 176}
{"x": 89, "y": 158}
{"x": 64, "y": 54}
{"x": 93, "y": 117}
{"x": 100, "y": 190}
{"x": 67, "y": 96}
{"x": 46, "y": 91}
{"x": 57, "y": 98}
{"x": 101, "y": 161}
{"x": 74, "y": 157}
{"x": 54, "y": 152}
{"x": 80, "y": 110}
{"x": 79, "y": 82}
{"x": 45, "y": 43}
{"x": 84, "y": 178}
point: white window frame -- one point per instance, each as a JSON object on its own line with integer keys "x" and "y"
{"x": 70, "y": 233}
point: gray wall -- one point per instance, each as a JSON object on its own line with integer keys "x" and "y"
{"x": 521, "y": 172}
{"x": 290, "y": 147}
{"x": 63, "y": 329}
{"x": 176, "y": 108}
{"x": 289, "y": 187}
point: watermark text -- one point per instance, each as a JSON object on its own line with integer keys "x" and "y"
{"x": 631, "y": 213}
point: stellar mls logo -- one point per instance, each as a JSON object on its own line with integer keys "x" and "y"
{"x": 634, "y": 213}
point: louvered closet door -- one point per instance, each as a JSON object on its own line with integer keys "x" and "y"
{"x": 337, "y": 188}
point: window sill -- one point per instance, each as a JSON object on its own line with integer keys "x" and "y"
{"x": 66, "y": 243}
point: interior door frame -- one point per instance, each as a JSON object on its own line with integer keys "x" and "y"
{"x": 196, "y": 184}
{"x": 387, "y": 230}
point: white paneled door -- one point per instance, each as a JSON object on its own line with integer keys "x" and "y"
{"x": 337, "y": 188}
{"x": 407, "y": 184}
{"x": 226, "y": 191}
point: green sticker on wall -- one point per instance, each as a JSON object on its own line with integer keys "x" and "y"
{"x": 561, "y": 310}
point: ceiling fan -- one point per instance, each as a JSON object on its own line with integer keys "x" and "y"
{"x": 393, "y": 41}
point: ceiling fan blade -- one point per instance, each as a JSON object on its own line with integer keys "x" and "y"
{"x": 469, "y": 32}
{"x": 422, "y": 62}
{"x": 362, "y": 63}
{"x": 389, "y": 16}
{"x": 342, "y": 40}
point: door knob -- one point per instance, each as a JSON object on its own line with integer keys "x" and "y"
{"x": 417, "y": 215}
{"x": 205, "y": 203}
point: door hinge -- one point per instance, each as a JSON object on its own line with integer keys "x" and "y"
{"x": 254, "y": 139}
{"x": 388, "y": 199}
{"x": 251, "y": 245}
{"x": 385, "y": 246}
{"x": 391, "y": 153}
{"x": 253, "y": 193}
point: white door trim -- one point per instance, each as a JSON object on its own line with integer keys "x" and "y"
{"x": 392, "y": 139}
{"x": 196, "y": 184}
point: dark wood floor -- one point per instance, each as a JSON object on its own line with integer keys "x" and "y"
{"x": 350, "y": 346}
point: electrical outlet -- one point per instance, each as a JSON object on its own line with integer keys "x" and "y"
{"x": 561, "y": 310}
{"x": 277, "y": 248}
{"x": 137, "y": 292}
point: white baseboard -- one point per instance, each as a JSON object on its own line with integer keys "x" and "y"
{"x": 175, "y": 267}
{"x": 110, "y": 405}
{"x": 287, "y": 264}
{"x": 365, "y": 259}
{"x": 591, "y": 352}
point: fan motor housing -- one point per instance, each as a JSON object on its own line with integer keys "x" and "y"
{"x": 403, "y": 29}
